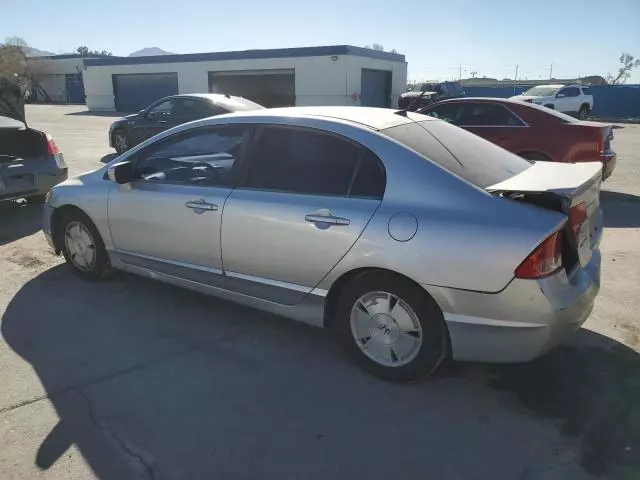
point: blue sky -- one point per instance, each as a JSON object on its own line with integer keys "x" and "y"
{"x": 490, "y": 37}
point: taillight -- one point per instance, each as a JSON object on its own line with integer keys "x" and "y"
{"x": 544, "y": 260}
{"x": 52, "y": 148}
{"x": 577, "y": 217}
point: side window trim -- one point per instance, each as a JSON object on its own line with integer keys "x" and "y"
{"x": 250, "y": 150}
{"x": 239, "y": 163}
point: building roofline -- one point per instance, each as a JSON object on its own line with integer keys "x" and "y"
{"x": 248, "y": 55}
{"x": 65, "y": 56}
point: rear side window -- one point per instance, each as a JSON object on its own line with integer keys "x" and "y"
{"x": 488, "y": 115}
{"x": 460, "y": 152}
{"x": 301, "y": 160}
{"x": 571, "y": 92}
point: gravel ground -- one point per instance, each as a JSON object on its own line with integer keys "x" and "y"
{"x": 134, "y": 379}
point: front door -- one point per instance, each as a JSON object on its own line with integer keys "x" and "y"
{"x": 168, "y": 219}
{"x": 157, "y": 118}
{"x": 305, "y": 201}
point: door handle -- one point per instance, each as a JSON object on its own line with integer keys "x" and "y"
{"x": 329, "y": 219}
{"x": 200, "y": 206}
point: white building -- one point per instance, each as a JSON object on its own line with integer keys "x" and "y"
{"x": 59, "y": 78}
{"x": 331, "y": 75}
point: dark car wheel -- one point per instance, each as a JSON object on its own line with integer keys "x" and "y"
{"x": 82, "y": 246}
{"x": 584, "y": 111}
{"x": 121, "y": 141}
{"x": 391, "y": 327}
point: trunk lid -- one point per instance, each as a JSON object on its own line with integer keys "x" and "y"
{"x": 570, "y": 188}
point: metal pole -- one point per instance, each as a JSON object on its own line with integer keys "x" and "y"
{"x": 551, "y": 71}
{"x": 515, "y": 79}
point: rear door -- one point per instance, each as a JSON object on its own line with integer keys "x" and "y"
{"x": 567, "y": 100}
{"x": 495, "y": 123}
{"x": 307, "y": 197}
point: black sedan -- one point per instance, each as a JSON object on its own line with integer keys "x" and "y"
{"x": 171, "y": 111}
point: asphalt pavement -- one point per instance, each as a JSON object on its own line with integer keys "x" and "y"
{"x": 129, "y": 378}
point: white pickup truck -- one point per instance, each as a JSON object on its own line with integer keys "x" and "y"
{"x": 572, "y": 99}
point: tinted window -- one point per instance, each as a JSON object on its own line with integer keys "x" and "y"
{"x": 570, "y": 92}
{"x": 449, "y": 112}
{"x": 163, "y": 108}
{"x": 302, "y": 160}
{"x": 192, "y": 108}
{"x": 202, "y": 157}
{"x": 470, "y": 157}
{"x": 487, "y": 114}
{"x": 370, "y": 179}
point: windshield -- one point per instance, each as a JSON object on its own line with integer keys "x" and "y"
{"x": 468, "y": 156}
{"x": 542, "y": 91}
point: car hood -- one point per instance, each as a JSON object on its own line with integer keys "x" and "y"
{"x": 526, "y": 97}
{"x": 417, "y": 94}
{"x": 127, "y": 118}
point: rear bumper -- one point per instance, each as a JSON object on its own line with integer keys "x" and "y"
{"x": 524, "y": 320}
{"x": 28, "y": 182}
{"x": 609, "y": 160}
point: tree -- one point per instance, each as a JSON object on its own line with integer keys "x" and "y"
{"x": 16, "y": 72}
{"x": 85, "y": 52}
{"x": 627, "y": 63}
{"x": 379, "y": 48}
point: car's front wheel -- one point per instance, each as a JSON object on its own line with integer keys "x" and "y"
{"x": 584, "y": 111}
{"x": 82, "y": 246}
{"x": 391, "y": 327}
{"x": 121, "y": 141}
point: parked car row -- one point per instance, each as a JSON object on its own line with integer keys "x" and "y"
{"x": 530, "y": 131}
{"x": 413, "y": 239}
{"x": 572, "y": 99}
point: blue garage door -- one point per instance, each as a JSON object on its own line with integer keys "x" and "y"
{"x": 75, "y": 88}
{"x": 375, "y": 88}
{"x": 135, "y": 91}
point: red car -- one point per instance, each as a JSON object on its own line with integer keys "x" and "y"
{"x": 531, "y": 131}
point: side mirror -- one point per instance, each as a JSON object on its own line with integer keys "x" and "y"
{"x": 121, "y": 172}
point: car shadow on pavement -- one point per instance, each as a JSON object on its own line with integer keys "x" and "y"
{"x": 19, "y": 219}
{"x": 621, "y": 210}
{"x": 151, "y": 380}
{"x": 108, "y": 157}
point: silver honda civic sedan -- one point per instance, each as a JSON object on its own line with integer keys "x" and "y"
{"x": 411, "y": 238}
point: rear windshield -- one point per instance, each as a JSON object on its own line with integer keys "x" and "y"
{"x": 470, "y": 157}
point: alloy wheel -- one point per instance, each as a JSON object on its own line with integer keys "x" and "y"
{"x": 80, "y": 246}
{"x": 386, "y": 329}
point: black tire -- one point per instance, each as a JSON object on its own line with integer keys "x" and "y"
{"x": 121, "y": 141}
{"x": 584, "y": 112}
{"x": 100, "y": 267}
{"x": 434, "y": 345}
{"x": 535, "y": 157}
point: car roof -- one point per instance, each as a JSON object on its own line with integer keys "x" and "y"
{"x": 229, "y": 101}
{"x": 371, "y": 117}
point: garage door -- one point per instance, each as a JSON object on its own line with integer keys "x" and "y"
{"x": 271, "y": 88}
{"x": 134, "y": 92}
{"x": 375, "y": 88}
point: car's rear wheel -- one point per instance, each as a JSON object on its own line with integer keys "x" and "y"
{"x": 584, "y": 111}
{"x": 121, "y": 141}
{"x": 391, "y": 327}
{"x": 82, "y": 246}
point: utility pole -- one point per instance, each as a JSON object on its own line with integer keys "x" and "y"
{"x": 460, "y": 75}
{"x": 551, "y": 71}
{"x": 515, "y": 80}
